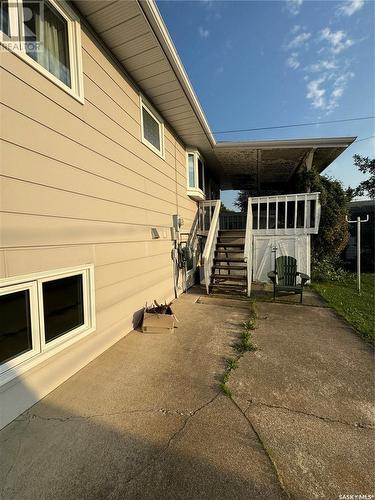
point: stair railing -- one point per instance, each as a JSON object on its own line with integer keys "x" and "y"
{"x": 210, "y": 246}
{"x": 248, "y": 249}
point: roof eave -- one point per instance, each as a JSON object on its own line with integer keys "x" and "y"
{"x": 160, "y": 30}
{"x": 325, "y": 142}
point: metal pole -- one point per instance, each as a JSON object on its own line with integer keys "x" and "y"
{"x": 358, "y": 221}
{"x": 359, "y": 254}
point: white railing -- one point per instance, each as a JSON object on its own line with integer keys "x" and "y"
{"x": 272, "y": 214}
{"x": 210, "y": 246}
{"x": 248, "y": 249}
{"x": 205, "y": 211}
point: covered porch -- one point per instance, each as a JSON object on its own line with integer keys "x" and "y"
{"x": 279, "y": 220}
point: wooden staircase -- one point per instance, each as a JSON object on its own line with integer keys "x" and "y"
{"x": 229, "y": 272}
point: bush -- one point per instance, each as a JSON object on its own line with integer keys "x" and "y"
{"x": 329, "y": 269}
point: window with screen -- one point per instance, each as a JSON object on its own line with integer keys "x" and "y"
{"x": 152, "y": 130}
{"x": 46, "y": 34}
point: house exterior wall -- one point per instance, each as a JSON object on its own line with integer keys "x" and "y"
{"x": 79, "y": 187}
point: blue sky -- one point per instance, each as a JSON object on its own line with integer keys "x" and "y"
{"x": 267, "y": 63}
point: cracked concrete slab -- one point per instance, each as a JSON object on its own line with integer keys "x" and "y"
{"x": 316, "y": 458}
{"x": 144, "y": 420}
{"x": 308, "y": 360}
{"x": 232, "y": 462}
{"x": 309, "y": 393}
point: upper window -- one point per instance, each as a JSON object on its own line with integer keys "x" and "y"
{"x": 41, "y": 314}
{"x": 152, "y": 130}
{"x": 47, "y": 35}
{"x": 195, "y": 175}
{"x": 4, "y": 19}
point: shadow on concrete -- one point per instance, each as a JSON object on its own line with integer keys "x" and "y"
{"x": 51, "y": 452}
{"x": 143, "y": 420}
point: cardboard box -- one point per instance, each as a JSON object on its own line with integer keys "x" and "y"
{"x": 158, "y": 323}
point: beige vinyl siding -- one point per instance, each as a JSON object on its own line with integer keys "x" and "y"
{"x": 78, "y": 186}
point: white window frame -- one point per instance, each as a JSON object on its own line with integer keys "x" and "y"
{"x": 34, "y": 320}
{"x": 46, "y": 346}
{"x": 42, "y": 350}
{"x": 195, "y": 191}
{"x": 145, "y": 105}
{"x": 16, "y": 45}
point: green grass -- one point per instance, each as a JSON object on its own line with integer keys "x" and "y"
{"x": 358, "y": 310}
{"x": 225, "y": 390}
{"x": 244, "y": 344}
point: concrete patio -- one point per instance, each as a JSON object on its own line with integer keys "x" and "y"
{"x": 146, "y": 419}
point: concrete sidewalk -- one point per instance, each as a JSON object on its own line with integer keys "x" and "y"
{"x": 309, "y": 394}
{"x": 146, "y": 419}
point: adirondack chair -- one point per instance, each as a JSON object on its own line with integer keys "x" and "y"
{"x": 284, "y": 278}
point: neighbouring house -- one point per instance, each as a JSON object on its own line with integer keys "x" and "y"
{"x": 110, "y": 187}
{"x": 362, "y": 209}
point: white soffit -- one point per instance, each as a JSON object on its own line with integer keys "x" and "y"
{"x": 136, "y": 35}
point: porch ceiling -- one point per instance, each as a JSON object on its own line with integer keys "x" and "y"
{"x": 268, "y": 165}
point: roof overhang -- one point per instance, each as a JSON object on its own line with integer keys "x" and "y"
{"x": 268, "y": 165}
{"x": 135, "y": 34}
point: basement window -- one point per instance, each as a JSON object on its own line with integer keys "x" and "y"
{"x": 195, "y": 175}
{"x": 152, "y": 129}
{"x": 45, "y": 34}
{"x": 19, "y": 326}
{"x": 41, "y": 315}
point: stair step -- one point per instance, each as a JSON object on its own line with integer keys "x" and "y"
{"x": 229, "y": 241}
{"x": 224, "y": 259}
{"x": 232, "y": 232}
{"x": 234, "y": 287}
{"x": 230, "y": 268}
{"x": 231, "y": 245}
{"x": 240, "y": 252}
{"x": 231, "y": 236}
{"x": 230, "y": 277}
{"x": 226, "y": 286}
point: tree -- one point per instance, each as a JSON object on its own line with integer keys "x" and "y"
{"x": 333, "y": 233}
{"x": 226, "y": 210}
{"x": 241, "y": 201}
{"x": 366, "y": 166}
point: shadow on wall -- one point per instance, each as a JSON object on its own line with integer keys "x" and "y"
{"x": 137, "y": 318}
